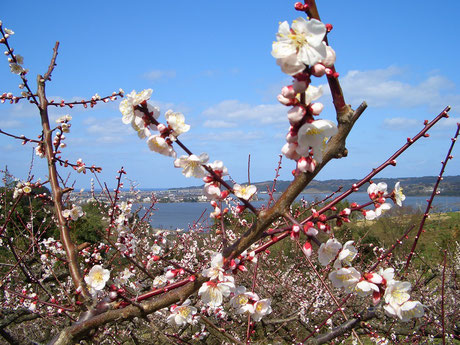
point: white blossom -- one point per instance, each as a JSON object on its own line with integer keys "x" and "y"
{"x": 216, "y": 272}
{"x": 397, "y": 292}
{"x": 399, "y": 196}
{"x": 261, "y": 308}
{"x": 344, "y": 277}
{"x": 16, "y": 68}
{"x": 160, "y": 281}
{"x": 406, "y": 311}
{"x": 192, "y": 165}
{"x": 328, "y": 251}
{"x": 180, "y": 315}
{"x": 315, "y": 135}
{"x": 379, "y": 210}
{"x": 243, "y": 301}
{"x": 365, "y": 288}
{"x": 244, "y": 192}
{"x": 313, "y": 93}
{"x": 387, "y": 274}
{"x": 96, "y": 278}
{"x": 158, "y": 144}
{"x": 177, "y": 122}
{"x": 301, "y": 43}
{"x": 133, "y": 99}
{"x": 377, "y": 190}
{"x": 348, "y": 253}
{"x": 74, "y": 213}
{"x": 212, "y": 293}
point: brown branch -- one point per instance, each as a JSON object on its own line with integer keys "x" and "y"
{"x": 343, "y": 328}
{"x": 78, "y": 331}
{"x": 47, "y": 75}
{"x": 219, "y": 332}
{"x": 69, "y": 246}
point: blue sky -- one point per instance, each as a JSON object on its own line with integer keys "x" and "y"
{"x": 211, "y": 60}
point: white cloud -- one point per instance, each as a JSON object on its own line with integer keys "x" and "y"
{"x": 235, "y": 110}
{"x": 384, "y": 87}
{"x": 23, "y": 110}
{"x": 159, "y": 74}
{"x": 400, "y": 123}
{"x": 218, "y": 124}
{"x": 10, "y": 124}
{"x": 237, "y": 135}
{"x": 449, "y": 123}
{"x": 109, "y": 131}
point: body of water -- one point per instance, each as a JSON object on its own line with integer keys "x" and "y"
{"x": 180, "y": 215}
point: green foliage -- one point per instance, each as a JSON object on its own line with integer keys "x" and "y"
{"x": 91, "y": 227}
{"x": 31, "y": 210}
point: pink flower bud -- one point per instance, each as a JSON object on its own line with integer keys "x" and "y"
{"x": 288, "y": 92}
{"x": 329, "y": 61}
{"x": 286, "y": 101}
{"x": 291, "y": 137}
{"x": 161, "y": 127}
{"x": 208, "y": 179}
{"x": 289, "y": 150}
{"x": 316, "y": 108}
{"x": 242, "y": 268}
{"x": 224, "y": 194}
{"x": 171, "y": 274}
{"x": 296, "y": 114}
{"x": 345, "y": 212}
{"x": 306, "y": 164}
{"x": 298, "y": 6}
{"x": 294, "y": 235}
{"x": 306, "y": 249}
{"x": 318, "y": 70}
{"x": 240, "y": 208}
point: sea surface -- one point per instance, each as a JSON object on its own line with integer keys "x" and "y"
{"x": 183, "y": 214}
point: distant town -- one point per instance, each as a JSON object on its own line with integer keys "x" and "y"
{"x": 414, "y": 186}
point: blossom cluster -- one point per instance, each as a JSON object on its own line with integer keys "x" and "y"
{"x": 97, "y": 278}
{"x": 15, "y": 60}
{"x": 378, "y": 194}
{"x": 301, "y": 52}
{"x": 144, "y": 121}
{"x": 344, "y": 275}
{"x": 222, "y": 284}
{"x": 22, "y": 188}
{"x": 143, "y": 118}
{"x": 74, "y": 213}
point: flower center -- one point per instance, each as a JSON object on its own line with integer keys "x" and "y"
{"x": 298, "y": 40}
{"x": 27, "y": 189}
{"x": 184, "y": 311}
{"x": 313, "y": 131}
{"x": 242, "y": 299}
{"x": 97, "y": 277}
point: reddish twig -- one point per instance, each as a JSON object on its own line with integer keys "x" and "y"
{"x": 443, "y": 312}
{"x": 433, "y": 194}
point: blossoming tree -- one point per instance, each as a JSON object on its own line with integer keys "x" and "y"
{"x": 223, "y": 283}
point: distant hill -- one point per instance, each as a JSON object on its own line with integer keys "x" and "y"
{"x": 415, "y": 186}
